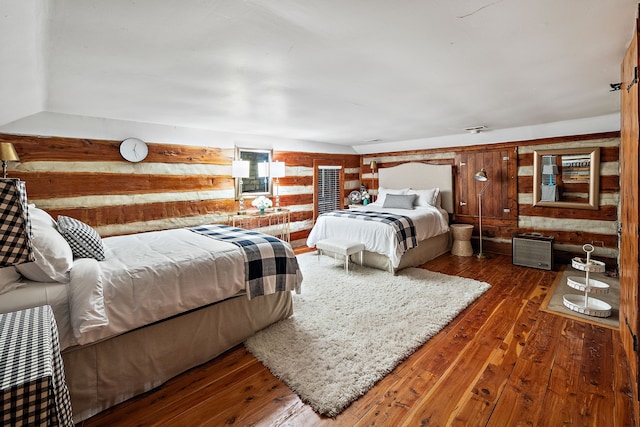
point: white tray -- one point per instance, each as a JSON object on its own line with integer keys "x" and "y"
{"x": 595, "y": 308}
{"x": 595, "y": 286}
{"x": 593, "y": 266}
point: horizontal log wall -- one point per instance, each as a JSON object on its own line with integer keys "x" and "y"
{"x": 571, "y": 227}
{"x": 175, "y": 186}
{"x": 182, "y": 185}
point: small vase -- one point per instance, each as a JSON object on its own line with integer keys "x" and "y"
{"x": 365, "y": 202}
{"x": 261, "y": 211}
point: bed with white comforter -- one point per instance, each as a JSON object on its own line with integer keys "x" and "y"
{"x": 429, "y": 221}
{"x": 422, "y": 192}
{"x": 123, "y": 320}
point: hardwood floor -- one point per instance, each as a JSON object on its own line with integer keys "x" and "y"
{"x": 501, "y": 362}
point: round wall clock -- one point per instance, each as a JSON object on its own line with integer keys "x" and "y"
{"x": 134, "y": 149}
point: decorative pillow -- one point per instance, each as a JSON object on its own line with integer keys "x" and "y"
{"x": 52, "y": 252}
{"x": 37, "y": 214}
{"x": 428, "y": 197}
{"x": 9, "y": 279}
{"x": 84, "y": 240}
{"x": 382, "y": 194}
{"x": 399, "y": 201}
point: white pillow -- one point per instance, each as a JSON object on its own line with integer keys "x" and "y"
{"x": 52, "y": 252}
{"x": 38, "y": 215}
{"x": 428, "y": 197}
{"x": 382, "y": 194}
{"x": 9, "y": 279}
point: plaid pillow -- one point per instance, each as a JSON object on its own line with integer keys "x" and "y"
{"x": 85, "y": 242}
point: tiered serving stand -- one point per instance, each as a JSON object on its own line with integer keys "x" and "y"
{"x": 587, "y": 304}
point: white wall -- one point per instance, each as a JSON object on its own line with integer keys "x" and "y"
{"x": 22, "y": 60}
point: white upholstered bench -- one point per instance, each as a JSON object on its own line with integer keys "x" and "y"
{"x": 340, "y": 247}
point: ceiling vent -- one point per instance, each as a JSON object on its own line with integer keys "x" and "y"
{"x": 476, "y": 129}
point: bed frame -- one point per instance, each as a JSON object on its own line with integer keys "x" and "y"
{"x": 103, "y": 374}
{"x": 418, "y": 176}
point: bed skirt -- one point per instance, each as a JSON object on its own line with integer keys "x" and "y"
{"x": 103, "y": 374}
{"x": 425, "y": 251}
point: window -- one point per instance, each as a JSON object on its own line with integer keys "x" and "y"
{"x": 328, "y": 189}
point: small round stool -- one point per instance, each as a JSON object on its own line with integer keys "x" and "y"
{"x": 461, "y": 239}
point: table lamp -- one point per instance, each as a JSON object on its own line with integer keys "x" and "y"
{"x": 240, "y": 169}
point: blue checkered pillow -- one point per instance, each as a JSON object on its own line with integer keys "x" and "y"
{"x": 85, "y": 242}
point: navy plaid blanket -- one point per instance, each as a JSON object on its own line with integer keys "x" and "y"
{"x": 270, "y": 264}
{"x": 403, "y": 225}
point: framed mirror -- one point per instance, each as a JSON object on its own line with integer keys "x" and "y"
{"x": 258, "y": 183}
{"x": 567, "y": 178}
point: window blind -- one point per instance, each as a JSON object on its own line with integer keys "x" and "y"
{"x": 329, "y": 189}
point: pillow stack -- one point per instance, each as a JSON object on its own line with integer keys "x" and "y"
{"x": 56, "y": 244}
{"x": 407, "y": 198}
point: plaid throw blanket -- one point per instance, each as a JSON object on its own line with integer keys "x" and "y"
{"x": 270, "y": 264}
{"x": 403, "y": 225}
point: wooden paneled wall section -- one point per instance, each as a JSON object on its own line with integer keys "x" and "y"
{"x": 507, "y": 202}
{"x": 184, "y": 185}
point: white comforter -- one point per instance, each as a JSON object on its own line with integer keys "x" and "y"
{"x": 148, "y": 277}
{"x": 378, "y": 237}
{"x": 145, "y": 278}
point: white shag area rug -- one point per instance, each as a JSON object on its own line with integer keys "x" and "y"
{"x": 349, "y": 331}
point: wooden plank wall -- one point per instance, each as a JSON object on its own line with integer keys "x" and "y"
{"x": 571, "y": 227}
{"x": 180, "y": 185}
{"x": 175, "y": 186}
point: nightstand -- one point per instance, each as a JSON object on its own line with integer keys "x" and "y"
{"x": 275, "y": 223}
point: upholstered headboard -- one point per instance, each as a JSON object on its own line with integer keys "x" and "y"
{"x": 420, "y": 176}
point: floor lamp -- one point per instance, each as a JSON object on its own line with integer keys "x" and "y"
{"x": 482, "y": 177}
{"x": 240, "y": 169}
{"x": 277, "y": 172}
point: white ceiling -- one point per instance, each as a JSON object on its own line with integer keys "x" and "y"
{"x": 350, "y": 72}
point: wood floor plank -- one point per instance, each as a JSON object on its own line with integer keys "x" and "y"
{"x": 522, "y": 399}
{"x": 595, "y": 386}
{"x": 624, "y": 403}
{"x": 563, "y": 383}
{"x": 501, "y": 362}
{"x": 488, "y": 389}
{"x": 440, "y": 404}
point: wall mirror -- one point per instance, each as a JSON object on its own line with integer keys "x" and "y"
{"x": 258, "y": 183}
{"x": 567, "y": 178}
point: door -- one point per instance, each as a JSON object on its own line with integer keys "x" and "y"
{"x": 629, "y": 209}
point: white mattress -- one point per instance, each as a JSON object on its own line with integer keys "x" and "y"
{"x": 34, "y": 294}
{"x": 379, "y": 237}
